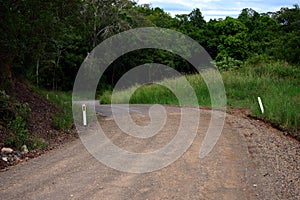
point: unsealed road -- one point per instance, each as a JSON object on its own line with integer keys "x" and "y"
{"x": 235, "y": 169}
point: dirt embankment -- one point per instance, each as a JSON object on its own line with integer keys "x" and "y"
{"x": 40, "y": 123}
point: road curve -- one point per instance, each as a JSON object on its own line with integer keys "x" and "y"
{"x": 70, "y": 172}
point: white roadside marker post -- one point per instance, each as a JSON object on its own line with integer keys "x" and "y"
{"x": 84, "y": 114}
{"x": 261, "y": 105}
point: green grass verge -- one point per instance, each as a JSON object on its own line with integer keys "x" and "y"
{"x": 276, "y": 83}
{"x": 63, "y": 100}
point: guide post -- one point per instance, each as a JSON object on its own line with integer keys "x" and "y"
{"x": 84, "y": 114}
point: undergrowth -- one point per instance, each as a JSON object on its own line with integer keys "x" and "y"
{"x": 63, "y": 100}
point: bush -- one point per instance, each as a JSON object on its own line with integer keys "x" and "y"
{"x": 10, "y": 109}
{"x": 258, "y": 60}
{"x": 105, "y": 98}
{"x": 6, "y": 109}
{"x": 228, "y": 64}
{"x": 59, "y": 122}
{"x": 19, "y": 132}
{"x": 20, "y": 136}
{"x": 14, "y": 116}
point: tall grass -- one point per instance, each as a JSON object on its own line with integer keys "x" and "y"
{"x": 63, "y": 100}
{"x": 279, "y": 90}
{"x": 278, "y": 84}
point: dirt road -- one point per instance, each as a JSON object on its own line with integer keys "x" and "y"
{"x": 250, "y": 161}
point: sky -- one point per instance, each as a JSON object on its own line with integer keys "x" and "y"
{"x": 215, "y": 9}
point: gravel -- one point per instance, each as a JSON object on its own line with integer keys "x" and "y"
{"x": 275, "y": 159}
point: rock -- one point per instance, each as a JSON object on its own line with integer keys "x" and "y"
{"x": 6, "y": 150}
{"x": 11, "y": 158}
{"x": 18, "y": 160}
{"x": 18, "y": 153}
{"x": 5, "y": 159}
{"x": 24, "y": 149}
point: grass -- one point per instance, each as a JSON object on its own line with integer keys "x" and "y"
{"x": 68, "y": 114}
{"x": 63, "y": 100}
{"x": 276, "y": 83}
{"x": 278, "y": 86}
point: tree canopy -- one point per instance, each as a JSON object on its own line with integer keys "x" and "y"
{"x": 46, "y": 41}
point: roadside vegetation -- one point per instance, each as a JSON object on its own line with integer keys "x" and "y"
{"x": 14, "y": 119}
{"x": 277, "y": 83}
{"x": 63, "y": 100}
{"x": 43, "y": 43}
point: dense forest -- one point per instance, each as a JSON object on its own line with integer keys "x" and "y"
{"x": 45, "y": 42}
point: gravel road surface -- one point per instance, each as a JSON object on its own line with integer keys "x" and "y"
{"x": 250, "y": 161}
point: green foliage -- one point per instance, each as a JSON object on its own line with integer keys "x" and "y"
{"x": 147, "y": 16}
{"x": 196, "y": 18}
{"x": 10, "y": 109}
{"x": 63, "y": 100}
{"x": 275, "y": 82}
{"x": 287, "y": 47}
{"x": 18, "y": 127}
{"x": 105, "y": 98}
{"x": 230, "y": 26}
{"x": 23, "y": 110}
{"x": 258, "y": 60}
{"x": 289, "y": 18}
{"x": 142, "y": 95}
{"x": 15, "y": 116}
{"x": 6, "y": 110}
{"x": 277, "y": 70}
{"x": 59, "y": 122}
{"x": 229, "y": 63}
{"x": 46, "y": 42}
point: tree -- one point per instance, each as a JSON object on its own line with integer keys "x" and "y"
{"x": 102, "y": 18}
{"x": 287, "y": 45}
{"x": 288, "y": 18}
{"x": 196, "y": 18}
{"x": 250, "y": 18}
{"x": 232, "y": 35}
{"x": 13, "y": 27}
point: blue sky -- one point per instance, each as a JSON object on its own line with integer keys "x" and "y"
{"x": 218, "y": 8}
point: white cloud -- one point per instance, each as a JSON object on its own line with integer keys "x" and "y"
{"x": 217, "y": 8}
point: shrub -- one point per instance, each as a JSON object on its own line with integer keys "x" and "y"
{"x": 228, "y": 64}
{"x": 19, "y": 132}
{"x": 14, "y": 116}
{"x": 59, "y": 122}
